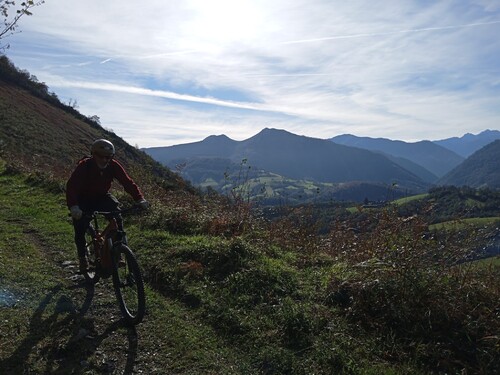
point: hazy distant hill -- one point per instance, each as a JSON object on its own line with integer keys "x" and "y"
{"x": 414, "y": 168}
{"x": 469, "y": 143}
{"x": 295, "y": 157}
{"x": 436, "y": 159}
{"x": 214, "y": 146}
{"x": 481, "y": 169}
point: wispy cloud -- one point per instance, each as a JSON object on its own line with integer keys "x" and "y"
{"x": 366, "y": 35}
{"x": 158, "y": 93}
{"x": 314, "y": 67}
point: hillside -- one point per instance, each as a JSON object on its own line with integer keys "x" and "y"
{"x": 51, "y": 323}
{"x": 292, "y": 157}
{"x": 237, "y": 305}
{"x": 481, "y": 169}
{"x": 436, "y": 159}
{"x": 38, "y": 132}
{"x": 266, "y": 188}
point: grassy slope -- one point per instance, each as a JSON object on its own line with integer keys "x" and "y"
{"x": 49, "y": 322}
{"x": 36, "y": 136}
{"x": 464, "y": 223}
{"x": 215, "y": 305}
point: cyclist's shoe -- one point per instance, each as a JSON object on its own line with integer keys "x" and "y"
{"x": 84, "y": 265}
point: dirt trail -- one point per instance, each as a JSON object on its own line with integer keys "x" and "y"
{"x": 75, "y": 327}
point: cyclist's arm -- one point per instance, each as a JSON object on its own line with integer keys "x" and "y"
{"x": 75, "y": 184}
{"x": 126, "y": 181}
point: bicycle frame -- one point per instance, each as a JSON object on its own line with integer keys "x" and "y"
{"x": 114, "y": 258}
{"x": 103, "y": 242}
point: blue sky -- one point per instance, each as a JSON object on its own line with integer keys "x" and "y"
{"x": 164, "y": 72}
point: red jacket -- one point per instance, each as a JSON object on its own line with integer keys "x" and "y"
{"x": 88, "y": 182}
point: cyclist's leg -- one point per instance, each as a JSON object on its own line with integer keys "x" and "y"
{"x": 80, "y": 227}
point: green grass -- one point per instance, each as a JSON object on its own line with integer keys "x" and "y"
{"x": 465, "y": 223}
{"x": 39, "y": 317}
{"x": 215, "y": 305}
{"x": 397, "y": 202}
{"x": 255, "y": 303}
{"x": 405, "y": 200}
{"x": 488, "y": 263}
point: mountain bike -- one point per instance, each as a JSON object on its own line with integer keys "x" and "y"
{"x": 109, "y": 255}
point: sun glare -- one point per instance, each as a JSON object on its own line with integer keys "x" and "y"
{"x": 224, "y": 21}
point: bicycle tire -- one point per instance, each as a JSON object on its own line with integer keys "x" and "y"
{"x": 92, "y": 275}
{"x": 128, "y": 285}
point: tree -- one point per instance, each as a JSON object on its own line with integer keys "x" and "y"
{"x": 11, "y": 14}
{"x": 73, "y": 103}
{"x": 94, "y": 118}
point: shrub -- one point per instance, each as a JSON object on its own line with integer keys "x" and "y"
{"x": 417, "y": 291}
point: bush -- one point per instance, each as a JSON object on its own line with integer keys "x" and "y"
{"x": 418, "y": 293}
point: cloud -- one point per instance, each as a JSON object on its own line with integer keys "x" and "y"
{"x": 315, "y": 67}
{"x": 426, "y": 29}
{"x": 157, "y": 93}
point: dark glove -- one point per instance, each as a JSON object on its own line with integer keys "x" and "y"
{"x": 143, "y": 204}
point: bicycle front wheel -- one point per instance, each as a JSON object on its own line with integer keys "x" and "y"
{"x": 128, "y": 284}
{"x": 92, "y": 274}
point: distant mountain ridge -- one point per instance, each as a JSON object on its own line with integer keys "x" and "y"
{"x": 355, "y": 165}
{"x": 292, "y": 156}
{"x": 434, "y": 158}
{"x": 311, "y": 158}
{"x": 469, "y": 143}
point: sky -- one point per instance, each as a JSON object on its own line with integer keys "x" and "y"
{"x": 165, "y": 72}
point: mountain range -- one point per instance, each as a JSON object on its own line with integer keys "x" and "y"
{"x": 274, "y": 165}
{"x": 469, "y": 143}
{"x": 432, "y": 157}
{"x": 481, "y": 169}
{"x": 330, "y": 165}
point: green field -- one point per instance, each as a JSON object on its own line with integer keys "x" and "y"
{"x": 402, "y": 201}
{"x": 465, "y": 223}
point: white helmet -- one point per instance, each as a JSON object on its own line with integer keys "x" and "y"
{"x": 102, "y": 147}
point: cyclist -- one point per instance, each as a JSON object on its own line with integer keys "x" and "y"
{"x": 88, "y": 190}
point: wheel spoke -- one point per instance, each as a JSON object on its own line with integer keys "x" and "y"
{"x": 129, "y": 286}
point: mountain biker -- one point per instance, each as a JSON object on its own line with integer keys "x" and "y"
{"x": 88, "y": 190}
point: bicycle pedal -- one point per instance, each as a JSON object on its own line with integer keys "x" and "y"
{"x": 122, "y": 263}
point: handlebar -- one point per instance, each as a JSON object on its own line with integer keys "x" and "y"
{"x": 91, "y": 214}
{"x": 112, "y": 213}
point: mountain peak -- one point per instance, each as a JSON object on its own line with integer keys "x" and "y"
{"x": 271, "y": 135}
{"x": 469, "y": 143}
{"x": 270, "y": 131}
{"x": 220, "y": 138}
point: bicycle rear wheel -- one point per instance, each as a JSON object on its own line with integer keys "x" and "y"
{"x": 128, "y": 284}
{"x": 91, "y": 276}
